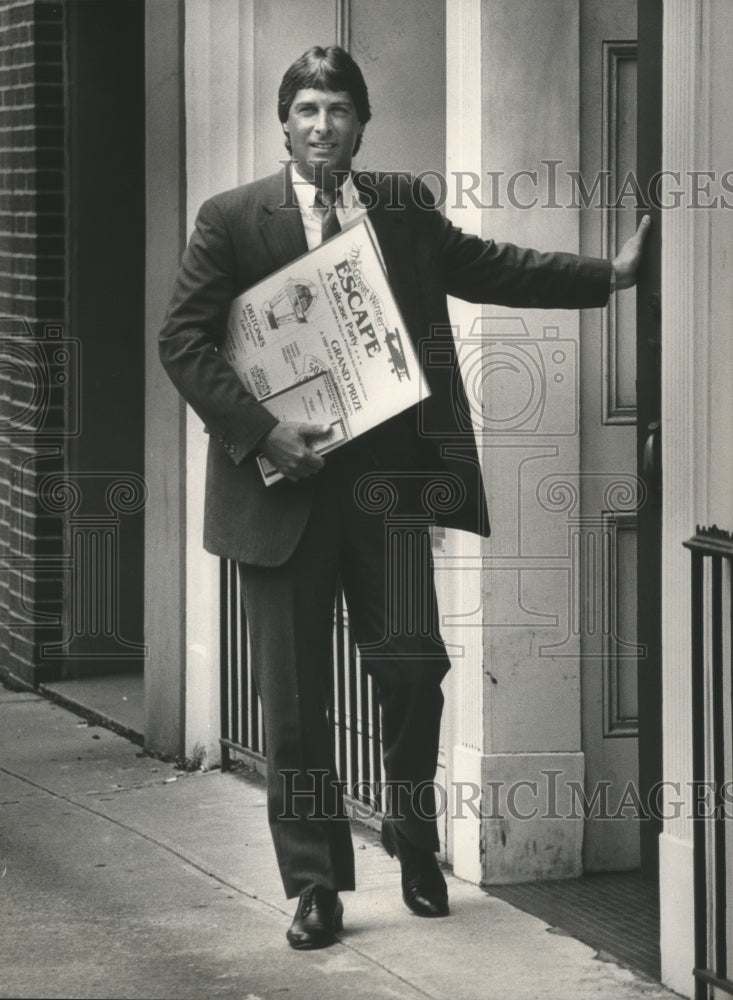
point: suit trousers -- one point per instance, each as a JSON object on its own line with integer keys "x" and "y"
{"x": 386, "y": 571}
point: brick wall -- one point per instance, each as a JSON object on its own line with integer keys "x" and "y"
{"x": 36, "y": 362}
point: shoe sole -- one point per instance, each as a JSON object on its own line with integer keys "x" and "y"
{"x": 426, "y": 914}
{"x": 312, "y": 944}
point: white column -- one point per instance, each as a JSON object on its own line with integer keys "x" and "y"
{"x": 679, "y": 459}
{"x": 531, "y": 696}
{"x": 219, "y": 155}
{"x": 497, "y": 600}
{"x": 685, "y": 433}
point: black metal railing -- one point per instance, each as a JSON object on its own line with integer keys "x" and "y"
{"x": 242, "y": 728}
{"x": 712, "y": 751}
{"x": 353, "y": 710}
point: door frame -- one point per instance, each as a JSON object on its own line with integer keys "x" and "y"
{"x": 649, "y": 402}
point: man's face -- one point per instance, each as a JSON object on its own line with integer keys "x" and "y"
{"x": 323, "y": 129}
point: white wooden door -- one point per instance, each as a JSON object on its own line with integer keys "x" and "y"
{"x": 605, "y": 568}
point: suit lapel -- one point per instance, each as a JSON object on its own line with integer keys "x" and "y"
{"x": 280, "y": 222}
{"x": 393, "y": 232}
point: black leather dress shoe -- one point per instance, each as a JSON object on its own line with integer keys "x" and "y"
{"x": 423, "y": 886}
{"x": 320, "y": 914}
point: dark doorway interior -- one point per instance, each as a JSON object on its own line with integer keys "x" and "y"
{"x": 106, "y": 228}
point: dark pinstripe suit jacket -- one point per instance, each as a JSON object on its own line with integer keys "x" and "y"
{"x": 245, "y": 234}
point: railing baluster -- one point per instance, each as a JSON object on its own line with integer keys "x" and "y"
{"x": 225, "y": 667}
{"x": 365, "y": 770}
{"x": 234, "y": 657}
{"x": 376, "y": 745}
{"x": 353, "y": 716}
{"x": 698, "y": 769}
{"x": 709, "y": 754}
{"x": 341, "y": 686}
{"x": 718, "y": 765}
{"x": 353, "y": 704}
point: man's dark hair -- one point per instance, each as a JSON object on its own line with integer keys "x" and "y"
{"x": 331, "y": 68}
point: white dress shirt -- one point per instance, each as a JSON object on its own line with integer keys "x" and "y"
{"x": 349, "y": 206}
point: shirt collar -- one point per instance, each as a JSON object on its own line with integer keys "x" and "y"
{"x": 305, "y": 193}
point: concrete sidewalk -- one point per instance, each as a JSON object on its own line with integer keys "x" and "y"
{"x": 121, "y": 876}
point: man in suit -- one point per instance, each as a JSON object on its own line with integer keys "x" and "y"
{"x": 324, "y": 524}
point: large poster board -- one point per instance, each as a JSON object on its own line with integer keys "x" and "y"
{"x": 322, "y": 341}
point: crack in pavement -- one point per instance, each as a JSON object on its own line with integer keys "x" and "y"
{"x": 199, "y": 866}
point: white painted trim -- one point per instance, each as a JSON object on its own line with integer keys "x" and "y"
{"x": 463, "y": 91}
{"x": 219, "y": 148}
{"x": 464, "y": 823}
{"x": 464, "y": 723}
{"x": 689, "y": 433}
{"x": 677, "y": 924}
{"x": 164, "y": 557}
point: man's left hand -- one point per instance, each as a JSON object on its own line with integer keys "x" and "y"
{"x": 627, "y": 262}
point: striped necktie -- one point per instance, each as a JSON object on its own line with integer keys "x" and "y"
{"x": 326, "y": 207}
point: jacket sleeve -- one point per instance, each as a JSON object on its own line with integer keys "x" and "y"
{"x": 487, "y": 272}
{"x": 193, "y": 331}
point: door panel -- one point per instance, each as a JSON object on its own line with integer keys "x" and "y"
{"x": 606, "y": 568}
